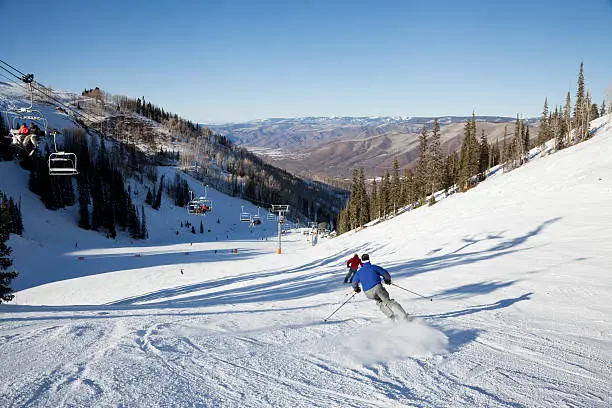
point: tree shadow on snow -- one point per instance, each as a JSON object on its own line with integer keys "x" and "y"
{"x": 500, "y": 304}
{"x": 319, "y": 276}
{"x": 468, "y": 290}
{"x": 459, "y": 257}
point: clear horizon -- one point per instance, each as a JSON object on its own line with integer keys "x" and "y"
{"x": 241, "y": 61}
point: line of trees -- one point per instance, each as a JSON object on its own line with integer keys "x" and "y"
{"x": 570, "y": 125}
{"x": 433, "y": 172}
{"x": 463, "y": 170}
{"x": 10, "y": 223}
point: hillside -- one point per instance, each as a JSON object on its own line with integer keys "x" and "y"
{"x": 140, "y": 135}
{"x": 517, "y": 269}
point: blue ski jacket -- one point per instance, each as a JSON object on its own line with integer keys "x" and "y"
{"x": 369, "y": 276}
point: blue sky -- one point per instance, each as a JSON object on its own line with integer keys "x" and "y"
{"x": 217, "y": 61}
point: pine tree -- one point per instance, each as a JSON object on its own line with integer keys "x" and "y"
{"x": 518, "y": 145}
{"x": 408, "y": 190}
{"x": 603, "y": 108}
{"x": 421, "y": 177}
{"x": 83, "y": 203}
{"x": 387, "y": 204}
{"x": 567, "y": 118}
{"x": 396, "y": 186}
{"x": 5, "y": 260}
{"x": 504, "y": 151}
{"x": 364, "y": 205}
{"x": 134, "y": 226}
{"x": 193, "y": 231}
{"x": 158, "y": 198}
{"x": 436, "y": 162}
{"x": 144, "y": 233}
{"x": 579, "y": 107}
{"x": 544, "y": 134}
{"x": 483, "y": 164}
{"x": 374, "y": 211}
{"x": 353, "y": 209}
{"x": 6, "y": 152}
{"x": 149, "y": 197}
{"x": 594, "y": 112}
{"x": 201, "y": 227}
{"x": 451, "y": 170}
{"x": 383, "y": 197}
{"x": 470, "y": 155}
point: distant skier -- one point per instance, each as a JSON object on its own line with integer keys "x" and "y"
{"x": 369, "y": 276}
{"x": 353, "y": 264}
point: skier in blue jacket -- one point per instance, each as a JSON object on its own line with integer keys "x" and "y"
{"x": 369, "y": 276}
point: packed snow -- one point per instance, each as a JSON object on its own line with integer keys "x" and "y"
{"x": 517, "y": 270}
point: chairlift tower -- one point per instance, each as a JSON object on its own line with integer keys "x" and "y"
{"x": 280, "y": 210}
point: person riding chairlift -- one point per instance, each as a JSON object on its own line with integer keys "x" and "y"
{"x": 24, "y": 136}
{"x": 24, "y": 130}
{"x": 204, "y": 208}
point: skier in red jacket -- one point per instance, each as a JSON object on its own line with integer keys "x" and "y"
{"x": 352, "y": 264}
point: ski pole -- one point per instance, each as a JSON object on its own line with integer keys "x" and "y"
{"x": 418, "y": 294}
{"x": 345, "y": 302}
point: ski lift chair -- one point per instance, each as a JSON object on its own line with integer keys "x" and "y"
{"x": 62, "y": 164}
{"x": 245, "y": 217}
{"x": 271, "y": 217}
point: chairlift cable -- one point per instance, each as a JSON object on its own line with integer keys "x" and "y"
{"x": 12, "y": 67}
{"x": 85, "y": 115}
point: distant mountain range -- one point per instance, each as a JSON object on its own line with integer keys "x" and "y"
{"x": 322, "y": 147}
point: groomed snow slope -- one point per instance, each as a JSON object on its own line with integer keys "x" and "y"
{"x": 518, "y": 269}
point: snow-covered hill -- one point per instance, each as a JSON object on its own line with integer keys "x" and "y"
{"x": 518, "y": 269}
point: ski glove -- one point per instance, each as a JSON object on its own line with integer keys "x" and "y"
{"x": 387, "y": 281}
{"x": 357, "y": 289}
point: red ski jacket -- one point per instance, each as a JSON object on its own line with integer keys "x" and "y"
{"x": 354, "y": 262}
